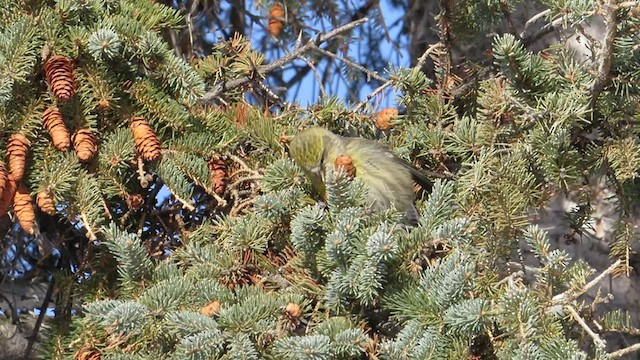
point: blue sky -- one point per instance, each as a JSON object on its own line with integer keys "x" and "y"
{"x": 310, "y": 91}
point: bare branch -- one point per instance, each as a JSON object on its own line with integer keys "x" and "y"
{"x": 624, "y": 351}
{"x": 419, "y": 64}
{"x": 36, "y": 329}
{"x": 605, "y": 55}
{"x": 264, "y": 69}
{"x": 571, "y": 295}
{"x": 596, "y": 339}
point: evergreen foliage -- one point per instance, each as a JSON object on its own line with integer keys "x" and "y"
{"x": 171, "y": 269}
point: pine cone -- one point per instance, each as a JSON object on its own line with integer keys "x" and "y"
{"x": 86, "y": 144}
{"x": 87, "y": 353}
{"x": 134, "y": 201}
{"x": 146, "y": 140}
{"x": 23, "y": 207}
{"x": 3, "y": 178}
{"x": 275, "y": 24}
{"x": 45, "y": 202}
{"x": 17, "y": 149}
{"x": 383, "y": 122}
{"x": 211, "y": 308}
{"x": 6, "y": 200}
{"x": 59, "y": 72}
{"x": 104, "y": 104}
{"x": 345, "y": 162}
{"x": 218, "y": 170}
{"x": 293, "y": 310}
{"x": 53, "y": 122}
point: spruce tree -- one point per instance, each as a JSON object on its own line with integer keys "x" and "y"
{"x": 185, "y": 231}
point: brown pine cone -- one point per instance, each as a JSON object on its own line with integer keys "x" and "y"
{"x": 53, "y": 122}
{"x": 23, "y": 207}
{"x": 59, "y": 72}
{"x": 383, "y": 122}
{"x": 276, "y": 25}
{"x": 211, "y": 308}
{"x": 87, "y": 353}
{"x": 45, "y": 202}
{"x": 86, "y": 144}
{"x": 345, "y": 162}
{"x": 3, "y": 177}
{"x": 6, "y": 200}
{"x": 218, "y": 170}
{"x": 146, "y": 140}
{"x": 17, "y": 149}
{"x": 293, "y": 310}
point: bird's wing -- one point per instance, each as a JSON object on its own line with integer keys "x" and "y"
{"x": 418, "y": 175}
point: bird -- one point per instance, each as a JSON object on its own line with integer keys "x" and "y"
{"x": 389, "y": 180}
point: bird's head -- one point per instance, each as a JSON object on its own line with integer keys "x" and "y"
{"x": 310, "y": 149}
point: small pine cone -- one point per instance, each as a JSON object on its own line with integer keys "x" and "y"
{"x": 45, "y": 202}
{"x": 240, "y": 116}
{"x": 86, "y": 144}
{"x": 87, "y": 353}
{"x": 59, "y": 72}
{"x": 211, "y": 308}
{"x": 3, "y": 177}
{"x": 53, "y": 122}
{"x": 218, "y": 170}
{"x": 23, "y": 207}
{"x": 345, "y": 162}
{"x": 104, "y": 105}
{"x": 293, "y": 310}
{"x": 276, "y": 25}
{"x": 383, "y": 122}
{"x": 146, "y": 140}
{"x": 134, "y": 201}
{"x": 17, "y": 149}
{"x": 6, "y": 200}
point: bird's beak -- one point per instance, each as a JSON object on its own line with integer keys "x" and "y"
{"x": 318, "y": 172}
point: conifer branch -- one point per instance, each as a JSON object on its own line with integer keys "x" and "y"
{"x": 605, "y": 55}
{"x": 185, "y": 204}
{"x": 264, "y": 69}
{"x": 624, "y": 351}
{"x": 596, "y": 339}
{"x": 628, "y": 4}
{"x": 90, "y": 233}
{"x": 419, "y": 64}
{"x": 544, "y": 30}
{"x": 370, "y": 74}
{"x": 36, "y": 329}
{"x": 571, "y": 295}
{"x": 141, "y": 174}
{"x": 323, "y": 93}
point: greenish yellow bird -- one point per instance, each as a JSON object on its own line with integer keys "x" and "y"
{"x": 389, "y": 179}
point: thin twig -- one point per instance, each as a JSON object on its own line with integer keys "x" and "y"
{"x": 419, "y": 64}
{"x": 90, "y": 233}
{"x": 316, "y": 74}
{"x": 244, "y": 179}
{"x": 533, "y": 19}
{"x": 185, "y": 204}
{"x": 242, "y": 163}
{"x": 624, "y": 351}
{"x": 571, "y": 295}
{"x": 546, "y": 29}
{"x": 264, "y": 69}
{"x": 36, "y": 328}
{"x": 605, "y": 55}
{"x": 627, "y": 4}
{"x": 15, "y": 318}
{"x": 370, "y": 74}
{"x": 596, "y": 339}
